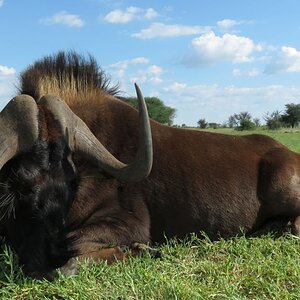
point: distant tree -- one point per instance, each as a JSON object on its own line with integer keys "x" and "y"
{"x": 244, "y": 115}
{"x": 183, "y": 125}
{"x": 292, "y": 114}
{"x": 256, "y": 122}
{"x": 241, "y": 121}
{"x": 232, "y": 121}
{"x": 246, "y": 124}
{"x": 273, "y": 120}
{"x": 202, "y": 123}
{"x": 224, "y": 125}
{"x": 156, "y": 108}
{"x": 213, "y": 125}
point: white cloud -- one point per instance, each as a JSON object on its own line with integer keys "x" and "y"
{"x": 175, "y": 87}
{"x": 7, "y": 90}
{"x": 252, "y": 73}
{"x": 155, "y": 70}
{"x": 248, "y": 73}
{"x": 119, "y": 68}
{"x": 119, "y": 16}
{"x": 8, "y": 81}
{"x": 150, "y": 14}
{"x": 155, "y": 80}
{"x": 151, "y": 75}
{"x": 228, "y": 24}
{"x": 137, "y": 70}
{"x": 129, "y": 14}
{"x": 216, "y": 103}
{"x": 125, "y": 63}
{"x": 139, "y": 60}
{"x": 1, "y": 2}
{"x": 64, "y": 18}
{"x": 6, "y": 71}
{"x": 288, "y": 60}
{"x": 209, "y": 49}
{"x": 162, "y": 30}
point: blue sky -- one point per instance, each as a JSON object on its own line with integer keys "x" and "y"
{"x": 208, "y": 59}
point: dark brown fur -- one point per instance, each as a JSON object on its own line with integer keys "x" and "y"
{"x": 37, "y": 189}
{"x": 200, "y": 181}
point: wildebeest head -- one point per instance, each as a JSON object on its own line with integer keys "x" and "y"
{"x": 38, "y": 180}
{"x": 37, "y": 186}
{"x": 38, "y": 189}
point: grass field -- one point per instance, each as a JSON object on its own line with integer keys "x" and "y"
{"x": 287, "y": 136}
{"x": 239, "y": 268}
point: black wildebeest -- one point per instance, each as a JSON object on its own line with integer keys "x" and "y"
{"x": 199, "y": 181}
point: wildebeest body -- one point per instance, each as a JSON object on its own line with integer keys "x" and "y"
{"x": 200, "y": 181}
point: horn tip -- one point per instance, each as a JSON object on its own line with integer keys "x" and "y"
{"x": 137, "y": 88}
{"x": 138, "y": 92}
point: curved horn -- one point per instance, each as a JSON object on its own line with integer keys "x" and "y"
{"x": 82, "y": 140}
{"x": 18, "y": 127}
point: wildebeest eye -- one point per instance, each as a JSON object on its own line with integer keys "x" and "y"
{"x": 22, "y": 179}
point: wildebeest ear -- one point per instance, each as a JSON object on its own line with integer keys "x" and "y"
{"x": 18, "y": 126}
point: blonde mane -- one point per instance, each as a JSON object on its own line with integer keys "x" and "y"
{"x": 68, "y": 75}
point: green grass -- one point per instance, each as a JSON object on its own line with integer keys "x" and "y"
{"x": 239, "y": 268}
{"x": 287, "y": 136}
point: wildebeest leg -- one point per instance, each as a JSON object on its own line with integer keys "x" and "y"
{"x": 109, "y": 255}
{"x": 112, "y": 254}
{"x": 109, "y": 239}
{"x": 106, "y": 253}
{"x": 279, "y": 187}
{"x": 278, "y": 226}
{"x": 296, "y": 226}
{"x": 138, "y": 248}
